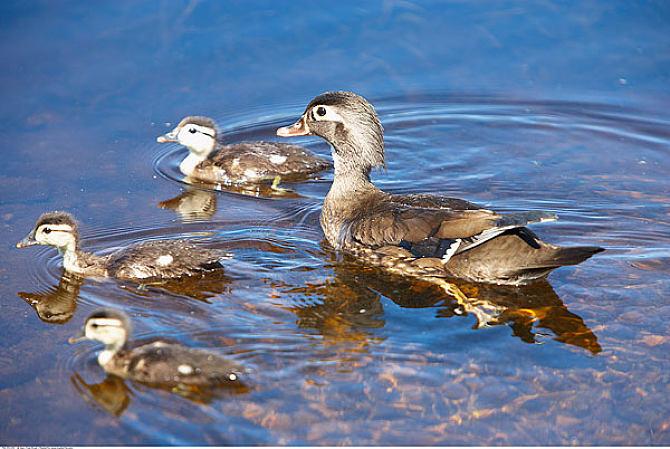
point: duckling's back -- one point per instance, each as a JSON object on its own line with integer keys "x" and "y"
{"x": 258, "y": 161}
{"x": 171, "y": 364}
{"x": 163, "y": 259}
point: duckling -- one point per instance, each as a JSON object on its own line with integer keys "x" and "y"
{"x": 241, "y": 163}
{"x": 418, "y": 235}
{"x": 160, "y": 259}
{"x": 159, "y": 362}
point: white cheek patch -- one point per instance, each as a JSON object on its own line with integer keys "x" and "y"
{"x": 59, "y": 235}
{"x": 277, "y": 159}
{"x": 201, "y": 141}
{"x": 165, "y": 260}
{"x": 331, "y": 115}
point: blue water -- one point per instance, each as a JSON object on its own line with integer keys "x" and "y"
{"x": 559, "y": 106}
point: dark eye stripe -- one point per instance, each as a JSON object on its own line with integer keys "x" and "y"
{"x": 194, "y": 130}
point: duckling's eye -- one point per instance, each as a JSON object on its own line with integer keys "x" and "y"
{"x": 192, "y": 130}
{"x": 47, "y": 231}
{"x": 94, "y": 325}
{"x": 320, "y": 111}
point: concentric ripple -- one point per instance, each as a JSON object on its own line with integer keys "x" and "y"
{"x": 330, "y": 341}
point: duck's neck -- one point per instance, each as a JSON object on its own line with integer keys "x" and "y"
{"x": 196, "y": 155}
{"x": 189, "y": 163}
{"x": 74, "y": 260}
{"x": 350, "y": 178}
{"x": 107, "y": 354}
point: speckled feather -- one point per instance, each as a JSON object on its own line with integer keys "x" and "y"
{"x": 170, "y": 364}
{"x": 150, "y": 260}
{"x": 259, "y": 161}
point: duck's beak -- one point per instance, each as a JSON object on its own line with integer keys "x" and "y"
{"x": 299, "y": 128}
{"x": 77, "y": 338}
{"x": 29, "y": 240}
{"x": 169, "y": 137}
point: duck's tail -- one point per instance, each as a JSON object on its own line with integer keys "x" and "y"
{"x": 571, "y": 255}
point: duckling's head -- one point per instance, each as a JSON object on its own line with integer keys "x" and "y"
{"x": 56, "y": 228}
{"x": 196, "y": 133}
{"x": 108, "y": 326}
{"x": 349, "y": 123}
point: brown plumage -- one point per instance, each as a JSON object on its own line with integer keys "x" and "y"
{"x": 248, "y": 162}
{"x": 252, "y": 162}
{"x": 159, "y": 259}
{"x": 418, "y": 235}
{"x": 160, "y": 363}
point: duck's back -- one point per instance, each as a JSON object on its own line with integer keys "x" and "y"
{"x": 169, "y": 364}
{"x": 426, "y": 235}
{"x": 259, "y": 161}
{"x": 163, "y": 259}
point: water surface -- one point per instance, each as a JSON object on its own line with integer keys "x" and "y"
{"x": 503, "y": 105}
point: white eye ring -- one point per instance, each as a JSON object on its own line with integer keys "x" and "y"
{"x": 321, "y": 113}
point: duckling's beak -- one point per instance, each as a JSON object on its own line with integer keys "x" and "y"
{"x": 29, "y": 240}
{"x": 169, "y": 137}
{"x": 299, "y": 128}
{"x": 77, "y": 338}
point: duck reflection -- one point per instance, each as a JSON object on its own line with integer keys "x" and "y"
{"x": 192, "y": 204}
{"x": 203, "y": 287}
{"x": 199, "y": 200}
{"x": 58, "y": 303}
{"x": 113, "y": 395}
{"x": 341, "y": 311}
{"x": 349, "y": 306}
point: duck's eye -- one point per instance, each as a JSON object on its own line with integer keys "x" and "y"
{"x": 192, "y": 130}
{"x": 47, "y": 231}
{"x": 320, "y": 111}
{"x": 94, "y": 325}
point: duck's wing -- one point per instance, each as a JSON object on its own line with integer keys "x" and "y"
{"x": 163, "y": 259}
{"x": 425, "y": 200}
{"x": 265, "y": 160}
{"x": 430, "y": 232}
{"x": 169, "y": 363}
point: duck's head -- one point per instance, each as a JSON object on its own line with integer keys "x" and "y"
{"x": 196, "y": 133}
{"x": 56, "y": 228}
{"x": 349, "y": 123}
{"x": 108, "y": 326}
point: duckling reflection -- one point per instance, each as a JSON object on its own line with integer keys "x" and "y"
{"x": 202, "y": 287}
{"x": 112, "y": 394}
{"x": 58, "y": 303}
{"x": 192, "y": 204}
{"x": 159, "y": 363}
{"x": 335, "y": 307}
